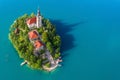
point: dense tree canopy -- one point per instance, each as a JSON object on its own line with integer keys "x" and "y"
{"x": 19, "y": 37}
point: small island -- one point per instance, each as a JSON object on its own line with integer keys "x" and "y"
{"x": 36, "y": 41}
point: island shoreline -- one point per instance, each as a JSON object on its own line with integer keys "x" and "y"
{"x": 40, "y": 53}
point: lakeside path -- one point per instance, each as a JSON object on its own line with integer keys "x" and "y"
{"x": 50, "y": 58}
{"x": 54, "y": 63}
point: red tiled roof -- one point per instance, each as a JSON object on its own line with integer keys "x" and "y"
{"x": 38, "y": 44}
{"x": 33, "y": 35}
{"x": 31, "y": 20}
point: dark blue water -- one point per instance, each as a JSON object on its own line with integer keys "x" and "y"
{"x": 90, "y": 32}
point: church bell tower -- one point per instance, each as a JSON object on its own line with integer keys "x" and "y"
{"x": 39, "y": 19}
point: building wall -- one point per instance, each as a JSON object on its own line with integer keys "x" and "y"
{"x": 32, "y": 26}
{"x": 39, "y": 21}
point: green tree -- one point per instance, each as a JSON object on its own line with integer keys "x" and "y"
{"x": 39, "y": 63}
{"x": 42, "y": 51}
{"x": 57, "y": 55}
{"x": 32, "y": 15}
{"x": 57, "y": 41}
{"x": 49, "y": 47}
{"x": 44, "y": 37}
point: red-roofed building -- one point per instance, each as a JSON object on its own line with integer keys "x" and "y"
{"x": 31, "y": 21}
{"x": 38, "y": 45}
{"x": 33, "y": 35}
{"x": 35, "y": 22}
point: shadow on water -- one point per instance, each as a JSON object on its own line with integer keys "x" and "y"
{"x": 63, "y": 30}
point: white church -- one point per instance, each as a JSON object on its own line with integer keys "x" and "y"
{"x": 35, "y": 22}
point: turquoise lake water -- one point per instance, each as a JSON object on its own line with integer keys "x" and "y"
{"x": 90, "y": 32}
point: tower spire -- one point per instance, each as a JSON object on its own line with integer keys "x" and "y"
{"x": 38, "y": 11}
